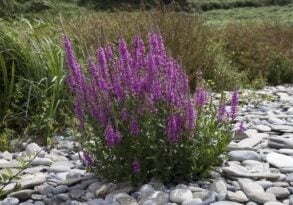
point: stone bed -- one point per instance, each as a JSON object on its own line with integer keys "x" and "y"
{"x": 259, "y": 169}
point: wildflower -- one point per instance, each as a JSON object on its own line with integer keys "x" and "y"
{"x": 134, "y": 128}
{"x": 124, "y": 114}
{"x": 173, "y": 128}
{"x": 87, "y": 159}
{"x": 139, "y": 52}
{"x": 136, "y": 168}
{"x": 113, "y": 137}
{"x": 234, "y": 103}
{"x": 79, "y": 112}
{"x": 200, "y": 97}
{"x": 241, "y": 127}
{"x": 221, "y": 112}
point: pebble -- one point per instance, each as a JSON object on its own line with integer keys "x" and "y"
{"x": 180, "y": 195}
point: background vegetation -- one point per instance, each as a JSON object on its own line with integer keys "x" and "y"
{"x": 228, "y": 42}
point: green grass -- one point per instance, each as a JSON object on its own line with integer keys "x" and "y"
{"x": 282, "y": 14}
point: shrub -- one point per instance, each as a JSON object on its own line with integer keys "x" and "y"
{"x": 145, "y": 121}
{"x": 280, "y": 70}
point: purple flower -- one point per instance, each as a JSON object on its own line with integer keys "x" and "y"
{"x": 174, "y": 126}
{"x": 234, "y": 103}
{"x": 87, "y": 159}
{"x": 136, "y": 168}
{"x": 221, "y": 112}
{"x": 241, "y": 127}
{"x": 139, "y": 52}
{"x": 79, "y": 112}
{"x": 124, "y": 114}
{"x": 134, "y": 128}
{"x": 113, "y": 137}
{"x": 200, "y": 97}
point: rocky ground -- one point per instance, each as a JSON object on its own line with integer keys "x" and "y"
{"x": 259, "y": 169}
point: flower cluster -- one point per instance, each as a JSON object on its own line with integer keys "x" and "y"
{"x": 137, "y": 94}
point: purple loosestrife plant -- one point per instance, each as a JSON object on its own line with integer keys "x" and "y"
{"x": 234, "y": 103}
{"x": 201, "y": 97}
{"x": 222, "y": 112}
{"x": 139, "y": 106}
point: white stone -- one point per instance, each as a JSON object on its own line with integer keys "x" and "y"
{"x": 180, "y": 195}
{"x": 280, "y": 160}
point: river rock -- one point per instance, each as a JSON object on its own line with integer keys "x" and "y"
{"x": 180, "y": 195}
{"x": 32, "y": 148}
{"x": 241, "y": 155}
{"x": 279, "y": 160}
{"x": 237, "y": 196}
{"x": 279, "y": 192}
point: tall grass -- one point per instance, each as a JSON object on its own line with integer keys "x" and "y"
{"x": 186, "y": 36}
{"x": 32, "y": 76}
{"x": 253, "y": 48}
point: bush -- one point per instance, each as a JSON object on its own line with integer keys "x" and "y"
{"x": 280, "y": 70}
{"x": 252, "y": 48}
{"x": 145, "y": 121}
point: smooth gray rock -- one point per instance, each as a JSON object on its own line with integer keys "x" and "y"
{"x": 240, "y": 171}
{"x": 203, "y": 195}
{"x": 41, "y": 161}
{"x": 241, "y": 155}
{"x": 226, "y": 203}
{"x": 32, "y": 148}
{"x": 280, "y": 143}
{"x": 10, "y": 201}
{"x": 280, "y": 160}
{"x": 157, "y": 197}
{"x": 282, "y": 128}
{"x": 59, "y": 168}
{"x": 9, "y": 164}
{"x": 265, "y": 184}
{"x": 30, "y": 181}
{"x": 276, "y": 121}
{"x": 146, "y": 188}
{"x": 6, "y": 155}
{"x": 192, "y": 202}
{"x": 263, "y": 128}
{"x": 289, "y": 177}
{"x": 126, "y": 200}
{"x": 237, "y": 196}
{"x": 279, "y": 192}
{"x": 22, "y": 194}
{"x": 273, "y": 203}
{"x": 219, "y": 186}
{"x": 60, "y": 189}
{"x": 255, "y": 192}
{"x": 44, "y": 189}
{"x": 180, "y": 195}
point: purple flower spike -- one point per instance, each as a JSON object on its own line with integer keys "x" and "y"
{"x": 124, "y": 114}
{"x": 241, "y": 127}
{"x": 112, "y": 137}
{"x": 136, "y": 168}
{"x": 174, "y": 126}
{"x": 134, "y": 128}
{"x": 234, "y": 104}
{"x": 87, "y": 159}
{"x": 200, "y": 97}
{"x": 221, "y": 112}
